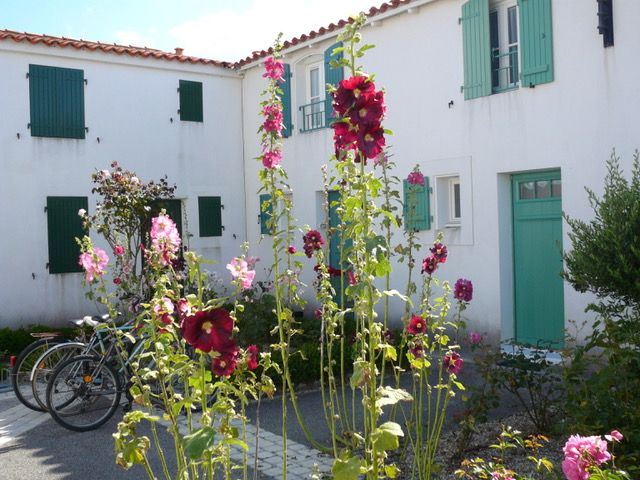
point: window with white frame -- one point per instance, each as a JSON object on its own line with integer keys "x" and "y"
{"x": 449, "y": 201}
{"x": 454, "y": 208}
{"x": 314, "y": 113}
{"x": 503, "y": 28}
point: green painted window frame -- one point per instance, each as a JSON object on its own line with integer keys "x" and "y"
{"x": 191, "y": 104}
{"x": 56, "y": 102}
{"x": 64, "y": 225}
{"x": 210, "y": 216}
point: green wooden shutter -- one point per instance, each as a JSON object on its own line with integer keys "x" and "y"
{"x": 417, "y": 206}
{"x": 190, "y": 101}
{"x": 285, "y": 86}
{"x": 56, "y": 101}
{"x": 536, "y": 42}
{"x": 266, "y": 211}
{"x": 210, "y": 216}
{"x": 63, "y": 226}
{"x": 476, "y": 49}
{"x": 332, "y": 76}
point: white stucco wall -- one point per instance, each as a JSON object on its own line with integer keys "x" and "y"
{"x": 129, "y": 104}
{"x": 572, "y": 123}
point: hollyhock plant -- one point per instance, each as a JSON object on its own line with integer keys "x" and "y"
{"x": 271, "y": 158}
{"x": 252, "y": 357}
{"x": 440, "y": 252}
{"x": 225, "y": 364}
{"x": 582, "y": 453}
{"x": 463, "y": 290}
{"x": 349, "y": 90}
{"x": 163, "y": 310}
{"x": 417, "y": 325}
{"x": 452, "y": 362}
{"x": 209, "y": 330}
{"x": 273, "y": 69}
{"x": 93, "y": 262}
{"x": 240, "y": 272}
{"x": 273, "y": 118}
{"x": 165, "y": 239}
{"x": 429, "y": 265}
{"x": 312, "y": 241}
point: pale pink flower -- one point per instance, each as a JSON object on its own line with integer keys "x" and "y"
{"x": 614, "y": 436}
{"x": 135, "y": 180}
{"x": 580, "y": 453}
{"x": 105, "y": 173}
{"x": 251, "y": 262}
{"x": 165, "y": 238}
{"x": 239, "y": 269}
{"x": 82, "y": 212}
{"x": 118, "y": 250}
{"x": 93, "y": 263}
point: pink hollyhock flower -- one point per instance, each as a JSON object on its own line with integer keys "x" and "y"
{"x": 163, "y": 309}
{"x": 273, "y": 69}
{"x": 353, "y": 279}
{"x": 273, "y": 121}
{"x": 252, "y": 357}
{"x": 475, "y": 338}
{"x": 117, "y": 280}
{"x": 209, "y": 330}
{"x": 429, "y": 265}
{"x": 463, "y": 290}
{"x": 417, "y": 325}
{"x": 312, "y": 241}
{"x": 271, "y": 158}
{"x": 452, "y": 362}
{"x": 251, "y": 262}
{"x": 614, "y": 436}
{"x": 93, "y": 263}
{"x": 184, "y": 309}
{"x": 118, "y": 250}
{"x": 580, "y": 453}
{"x": 380, "y": 160}
{"x": 317, "y": 313}
{"x": 440, "y": 252}
{"x": 165, "y": 239}
{"x": 239, "y": 269}
{"x": 291, "y": 249}
{"x": 415, "y": 178}
{"x": 226, "y": 363}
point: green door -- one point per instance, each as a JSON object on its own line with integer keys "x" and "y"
{"x": 537, "y": 242}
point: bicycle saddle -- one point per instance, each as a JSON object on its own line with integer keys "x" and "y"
{"x": 91, "y": 321}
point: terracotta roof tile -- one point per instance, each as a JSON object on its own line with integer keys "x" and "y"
{"x": 323, "y": 30}
{"x": 132, "y": 51}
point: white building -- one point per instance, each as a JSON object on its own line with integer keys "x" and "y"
{"x": 510, "y": 109}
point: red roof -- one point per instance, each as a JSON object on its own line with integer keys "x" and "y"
{"x": 323, "y": 30}
{"x": 132, "y": 51}
{"x": 145, "y": 52}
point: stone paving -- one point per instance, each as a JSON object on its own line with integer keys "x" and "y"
{"x": 17, "y": 420}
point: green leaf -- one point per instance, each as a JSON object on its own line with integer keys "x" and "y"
{"x": 196, "y": 443}
{"x": 358, "y": 378}
{"x": 395, "y": 293}
{"x": 386, "y": 436}
{"x": 391, "y": 396}
{"x": 346, "y": 469}
{"x": 236, "y": 442}
{"x": 391, "y": 471}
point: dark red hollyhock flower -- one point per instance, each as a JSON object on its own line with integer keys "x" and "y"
{"x": 388, "y": 336}
{"x": 210, "y": 330}
{"x": 452, "y": 362}
{"x": 417, "y": 350}
{"x": 225, "y": 364}
{"x": 429, "y": 265}
{"x": 368, "y": 110}
{"x": 440, "y": 252}
{"x": 463, "y": 290}
{"x": 345, "y": 136}
{"x": 291, "y": 249}
{"x": 353, "y": 279}
{"x": 371, "y": 140}
{"x": 252, "y": 357}
{"x": 349, "y": 90}
{"x": 417, "y": 325}
{"x": 334, "y": 272}
{"x": 312, "y": 241}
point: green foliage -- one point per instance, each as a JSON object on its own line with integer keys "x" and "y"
{"x": 13, "y": 341}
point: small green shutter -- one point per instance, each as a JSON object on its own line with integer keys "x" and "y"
{"x": 285, "y": 86}
{"x": 64, "y": 225}
{"x": 190, "y": 101}
{"x": 210, "y": 216}
{"x": 417, "y": 206}
{"x": 332, "y": 76}
{"x": 476, "y": 49}
{"x": 56, "y": 101}
{"x": 266, "y": 211}
{"x": 536, "y": 42}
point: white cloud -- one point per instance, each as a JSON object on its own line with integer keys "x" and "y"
{"x": 137, "y": 39}
{"x": 233, "y": 34}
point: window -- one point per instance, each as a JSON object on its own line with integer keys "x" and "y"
{"x": 503, "y": 26}
{"x": 190, "y": 101}
{"x": 56, "y": 98}
{"x": 454, "y": 200}
{"x": 210, "y": 216}
{"x": 64, "y": 225}
{"x": 540, "y": 189}
{"x": 505, "y": 45}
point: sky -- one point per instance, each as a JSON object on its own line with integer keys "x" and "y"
{"x": 219, "y": 29}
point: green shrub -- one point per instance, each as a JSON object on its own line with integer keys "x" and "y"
{"x": 13, "y": 341}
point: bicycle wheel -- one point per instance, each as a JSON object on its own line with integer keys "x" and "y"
{"x": 46, "y": 364}
{"x": 21, "y": 372}
{"x": 83, "y": 393}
